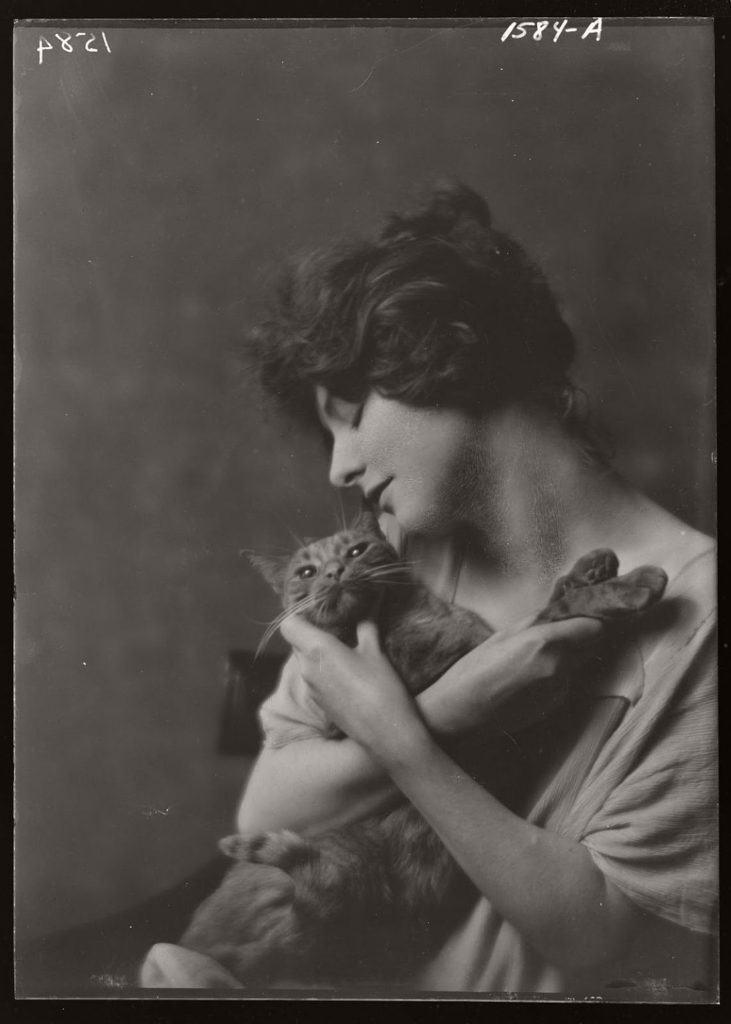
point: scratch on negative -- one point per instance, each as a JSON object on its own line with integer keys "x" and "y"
{"x": 395, "y": 53}
{"x": 511, "y": 738}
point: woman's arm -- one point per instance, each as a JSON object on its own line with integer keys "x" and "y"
{"x": 314, "y": 784}
{"x": 545, "y": 884}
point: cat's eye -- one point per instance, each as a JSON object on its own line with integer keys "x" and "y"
{"x": 357, "y": 549}
{"x": 306, "y": 572}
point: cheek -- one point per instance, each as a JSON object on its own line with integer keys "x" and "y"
{"x": 450, "y": 443}
{"x": 378, "y": 451}
{"x": 438, "y": 491}
{"x": 295, "y": 592}
{"x": 389, "y": 430}
{"x": 433, "y": 441}
{"x": 438, "y": 464}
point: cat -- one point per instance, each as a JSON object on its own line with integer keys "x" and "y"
{"x": 372, "y": 898}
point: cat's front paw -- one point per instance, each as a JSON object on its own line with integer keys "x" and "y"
{"x": 615, "y": 598}
{"x": 595, "y": 567}
{"x": 642, "y": 587}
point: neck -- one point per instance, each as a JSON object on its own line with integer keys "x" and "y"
{"x": 538, "y": 503}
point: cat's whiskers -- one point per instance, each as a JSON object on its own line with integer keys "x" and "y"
{"x": 383, "y": 572}
{"x": 270, "y": 549}
{"x": 388, "y": 565}
{"x": 343, "y": 524}
{"x": 274, "y": 625}
{"x": 384, "y": 578}
{"x": 396, "y": 565}
{"x": 381, "y": 581}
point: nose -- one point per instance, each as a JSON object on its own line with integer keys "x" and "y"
{"x": 346, "y": 462}
{"x": 333, "y": 571}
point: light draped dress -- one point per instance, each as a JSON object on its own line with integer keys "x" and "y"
{"x": 628, "y": 767}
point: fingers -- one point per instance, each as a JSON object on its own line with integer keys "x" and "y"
{"x": 579, "y": 631}
{"x": 304, "y": 637}
{"x": 299, "y": 632}
{"x": 367, "y": 634}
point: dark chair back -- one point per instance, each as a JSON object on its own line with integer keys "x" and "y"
{"x": 248, "y": 681}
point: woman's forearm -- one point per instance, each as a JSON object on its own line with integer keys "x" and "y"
{"x": 546, "y": 885}
{"x": 505, "y": 683}
{"x": 314, "y": 784}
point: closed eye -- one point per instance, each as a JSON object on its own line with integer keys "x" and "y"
{"x": 306, "y": 572}
{"x": 357, "y": 549}
{"x": 357, "y": 416}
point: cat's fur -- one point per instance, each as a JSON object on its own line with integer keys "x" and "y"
{"x": 372, "y": 897}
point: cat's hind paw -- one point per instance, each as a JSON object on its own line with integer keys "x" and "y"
{"x": 169, "y": 966}
{"x": 282, "y": 849}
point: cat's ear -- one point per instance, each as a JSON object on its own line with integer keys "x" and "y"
{"x": 271, "y": 567}
{"x": 366, "y": 521}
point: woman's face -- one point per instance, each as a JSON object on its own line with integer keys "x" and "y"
{"x": 420, "y": 465}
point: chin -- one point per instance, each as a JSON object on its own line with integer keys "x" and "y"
{"x": 424, "y": 524}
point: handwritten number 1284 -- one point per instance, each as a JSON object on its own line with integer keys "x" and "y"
{"x": 65, "y": 40}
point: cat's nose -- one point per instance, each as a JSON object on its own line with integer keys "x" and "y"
{"x": 333, "y": 571}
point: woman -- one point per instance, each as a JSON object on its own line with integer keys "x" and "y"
{"x": 435, "y": 361}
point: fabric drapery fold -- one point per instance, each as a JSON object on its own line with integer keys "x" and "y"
{"x": 627, "y": 767}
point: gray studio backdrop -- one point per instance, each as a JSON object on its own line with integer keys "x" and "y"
{"x": 157, "y": 186}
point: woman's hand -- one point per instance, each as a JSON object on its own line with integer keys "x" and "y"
{"x": 506, "y": 683}
{"x": 514, "y": 678}
{"x": 547, "y": 660}
{"x": 318, "y": 784}
{"x": 357, "y": 687}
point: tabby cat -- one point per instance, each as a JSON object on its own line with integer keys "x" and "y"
{"x": 371, "y": 898}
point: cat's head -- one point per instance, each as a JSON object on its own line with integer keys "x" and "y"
{"x": 336, "y": 580}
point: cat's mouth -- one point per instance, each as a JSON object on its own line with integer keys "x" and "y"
{"x": 338, "y": 606}
{"x": 331, "y": 601}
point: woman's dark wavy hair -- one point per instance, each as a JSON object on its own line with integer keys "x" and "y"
{"x": 438, "y": 309}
